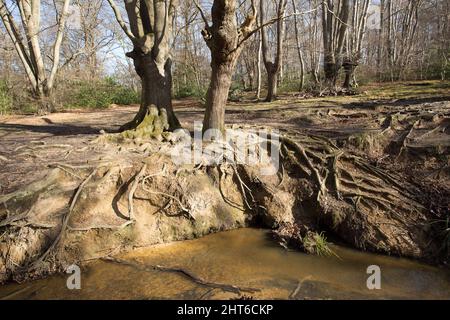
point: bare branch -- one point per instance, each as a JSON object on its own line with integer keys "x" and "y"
{"x": 120, "y": 20}
{"x": 272, "y": 21}
{"x": 58, "y": 41}
{"x": 202, "y": 13}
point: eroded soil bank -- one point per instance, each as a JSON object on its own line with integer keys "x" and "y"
{"x": 376, "y": 176}
{"x": 245, "y": 258}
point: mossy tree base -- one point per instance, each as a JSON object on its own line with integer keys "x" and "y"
{"x": 152, "y": 126}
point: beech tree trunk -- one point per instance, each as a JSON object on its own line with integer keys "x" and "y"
{"x": 25, "y": 34}
{"x": 349, "y": 69}
{"x": 156, "y": 90}
{"x": 272, "y": 81}
{"x": 335, "y": 15}
{"x": 273, "y": 68}
{"x": 225, "y": 39}
{"x": 150, "y": 30}
{"x": 217, "y": 96}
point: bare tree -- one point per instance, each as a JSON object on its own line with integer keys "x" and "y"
{"x": 299, "y": 47}
{"x": 402, "y": 30}
{"x": 150, "y": 30}
{"x": 26, "y": 39}
{"x": 273, "y": 68}
{"x": 225, "y": 38}
{"x": 355, "y": 34}
{"x": 335, "y": 15}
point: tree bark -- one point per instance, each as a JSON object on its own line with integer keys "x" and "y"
{"x": 156, "y": 90}
{"x": 349, "y": 69}
{"x": 334, "y": 28}
{"x": 272, "y": 81}
{"x": 259, "y": 80}
{"x": 151, "y": 26}
{"x": 217, "y": 96}
{"x": 225, "y": 40}
{"x": 273, "y": 68}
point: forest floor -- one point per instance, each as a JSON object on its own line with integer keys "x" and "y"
{"x": 401, "y": 128}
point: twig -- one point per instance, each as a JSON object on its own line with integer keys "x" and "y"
{"x": 297, "y": 289}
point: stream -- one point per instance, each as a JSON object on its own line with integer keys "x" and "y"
{"x": 245, "y": 258}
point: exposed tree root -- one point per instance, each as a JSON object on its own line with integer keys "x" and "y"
{"x": 73, "y": 215}
{"x": 65, "y": 222}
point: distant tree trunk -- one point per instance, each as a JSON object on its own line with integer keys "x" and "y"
{"x": 28, "y": 47}
{"x": 381, "y": 37}
{"x": 259, "y": 85}
{"x": 355, "y": 35}
{"x": 334, "y": 28}
{"x": 273, "y": 68}
{"x": 299, "y": 49}
{"x": 151, "y": 25}
{"x": 225, "y": 39}
{"x": 349, "y": 69}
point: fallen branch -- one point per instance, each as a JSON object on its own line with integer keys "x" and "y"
{"x": 187, "y": 274}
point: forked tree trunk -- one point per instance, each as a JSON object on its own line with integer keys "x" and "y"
{"x": 335, "y": 16}
{"x": 225, "y": 40}
{"x": 25, "y": 34}
{"x": 150, "y": 30}
{"x": 273, "y": 68}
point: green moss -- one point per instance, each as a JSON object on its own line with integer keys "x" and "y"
{"x": 152, "y": 126}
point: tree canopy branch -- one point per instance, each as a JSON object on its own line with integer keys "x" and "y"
{"x": 120, "y": 20}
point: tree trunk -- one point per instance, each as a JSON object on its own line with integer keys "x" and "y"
{"x": 272, "y": 82}
{"x": 217, "y": 96}
{"x": 225, "y": 39}
{"x": 299, "y": 49}
{"x": 334, "y": 28}
{"x": 274, "y": 67}
{"x": 156, "y": 90}
{"x": 349, "y": 72}
{"x": 259, "y": 84}
{"x": 331, "y": 69}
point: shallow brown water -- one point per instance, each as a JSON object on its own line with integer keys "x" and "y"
{"x": 247, "y": 258}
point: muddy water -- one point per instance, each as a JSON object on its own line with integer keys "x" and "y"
{"x": 247, "y": 258}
